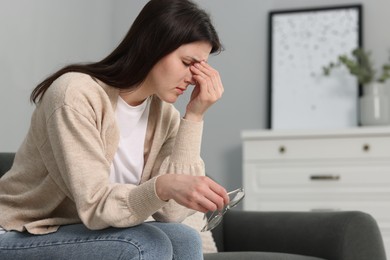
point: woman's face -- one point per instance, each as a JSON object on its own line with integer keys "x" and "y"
{"x": 170, "y": 77}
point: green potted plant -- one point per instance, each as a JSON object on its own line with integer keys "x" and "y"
{"x": 374, "y": 104}
{"x": 360, "y": 65}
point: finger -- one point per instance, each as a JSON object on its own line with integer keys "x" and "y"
{"x": 201, "y": 80}
{"x": 208, "y": 204}
{"x": 218, "y": 189}
{"x": 198, "y": 207}
{"x": 224, "y": 197}
{"x": 201, "y": 209}
{"x": 207, "y": 89}
{"x": 206, "y": 195}
{"x": 203, "y": 71}
{"x": 209, "y": 71}
{"x": 204, "y": 66}
{"x": 195, "y": 202}
{"x": 198, "y": 76}
{"x": 216, "y": 199}
{"x": 204, "y": 79}
{"x": 198, "y": 201}
{"x": 195, "y": 69}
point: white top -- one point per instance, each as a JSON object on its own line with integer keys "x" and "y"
{"x": 2, "y": 231}
{"x": 128, "y": 161}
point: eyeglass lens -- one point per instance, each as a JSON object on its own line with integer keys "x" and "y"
{"x": 215, "y": 218}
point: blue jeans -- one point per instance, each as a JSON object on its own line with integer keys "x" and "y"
{"x": 148, "y": 241}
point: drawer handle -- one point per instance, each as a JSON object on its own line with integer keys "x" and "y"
{"x": 366, "y": 147}
{"x": 282, "y": 149}
{"x": 325, "y": 177}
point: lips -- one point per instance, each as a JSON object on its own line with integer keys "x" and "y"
{"x": 180, "y": 90}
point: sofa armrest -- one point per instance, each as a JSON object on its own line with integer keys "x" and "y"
{"x": 6, "y": 161}
{"x": 339, "y": 235}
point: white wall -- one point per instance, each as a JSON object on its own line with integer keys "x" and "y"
{"x": 243, "y": 28}
{"x": 39, "y": 36}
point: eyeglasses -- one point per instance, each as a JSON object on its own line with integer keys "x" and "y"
{"x": 215, "y": 218}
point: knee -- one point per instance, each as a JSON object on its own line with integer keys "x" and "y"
{"x": 189, "y": 236}
{"x": 154, "y": 244}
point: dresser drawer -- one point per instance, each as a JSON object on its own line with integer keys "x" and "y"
{"x": 346, "y": 177}
{"x": 324, "y": 170}
{"x": 319, "y": 148}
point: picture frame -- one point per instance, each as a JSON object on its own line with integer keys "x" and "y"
{"x": 301, "y": 43}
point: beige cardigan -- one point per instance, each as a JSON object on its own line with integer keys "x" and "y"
{"x": 61, "y": 171}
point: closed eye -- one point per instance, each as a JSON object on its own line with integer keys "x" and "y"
{"x": 186, "y": 64}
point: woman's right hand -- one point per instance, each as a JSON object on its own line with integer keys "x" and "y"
{"x": 208, "y": 90}
{"x": 195, "y": 192}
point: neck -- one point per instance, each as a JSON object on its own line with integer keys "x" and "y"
{"x": 136, "y": 96}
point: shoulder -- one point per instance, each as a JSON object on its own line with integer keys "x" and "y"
{"x": 74, "y": 85}
{"x": 76, "y": 90}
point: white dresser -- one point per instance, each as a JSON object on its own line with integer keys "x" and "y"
{"x": 346, "y": 169}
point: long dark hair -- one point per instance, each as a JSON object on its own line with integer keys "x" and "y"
{"x": 160, "y": 28}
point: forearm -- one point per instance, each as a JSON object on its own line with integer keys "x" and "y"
{"x": 187, "y": 144}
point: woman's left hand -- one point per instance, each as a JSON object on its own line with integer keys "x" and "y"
{"x": 208, "y": 89}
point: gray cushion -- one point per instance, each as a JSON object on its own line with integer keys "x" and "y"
{"x": 256, "y": 255}
{"x": 6, "y": 160}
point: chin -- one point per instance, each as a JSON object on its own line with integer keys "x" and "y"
{"x": 170, "y": 99}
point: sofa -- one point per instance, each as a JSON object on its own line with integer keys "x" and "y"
{"x": 242, "y": 235}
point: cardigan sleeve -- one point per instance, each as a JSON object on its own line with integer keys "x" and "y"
{"x": 184, "y": 158}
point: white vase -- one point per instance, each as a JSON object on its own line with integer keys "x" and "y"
{"x": 374, "y": 105}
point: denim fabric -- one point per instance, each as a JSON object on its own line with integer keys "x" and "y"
{"x": 147, "y": 241}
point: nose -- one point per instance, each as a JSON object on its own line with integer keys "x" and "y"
{"x": 191, "y": 82}
{"x": 189, "y": 79}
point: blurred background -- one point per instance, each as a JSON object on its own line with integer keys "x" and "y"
{"x": 39, "y": 37}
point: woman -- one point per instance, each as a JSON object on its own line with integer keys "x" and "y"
{"x": 108, "y": 167}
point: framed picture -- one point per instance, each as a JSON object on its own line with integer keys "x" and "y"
{"x": 301, "y": 43}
